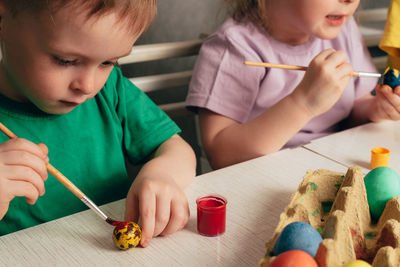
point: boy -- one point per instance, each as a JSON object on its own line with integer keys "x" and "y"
{"x": 59, "y": 86}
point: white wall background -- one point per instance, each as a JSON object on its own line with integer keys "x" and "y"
{"x": 179, "y": 20}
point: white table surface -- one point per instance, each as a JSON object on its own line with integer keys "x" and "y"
{"x": 257, "y": 192}
{"x": 353, "y": 146}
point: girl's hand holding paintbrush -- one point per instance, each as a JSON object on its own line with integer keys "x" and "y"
{"x": 22, "y": 171}
{"x": 329, "y": 70}
{"x": 323, "y": 83}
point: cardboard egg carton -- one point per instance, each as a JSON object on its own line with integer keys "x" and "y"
{"x": 336, "y": 205}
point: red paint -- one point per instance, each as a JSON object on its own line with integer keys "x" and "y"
{"x": 120, "y": 225}
{"x": 211, "y": 215}
{"x": 358, "y": 243}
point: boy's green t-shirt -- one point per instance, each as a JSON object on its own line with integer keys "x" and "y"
{"x": 88, "y": 145}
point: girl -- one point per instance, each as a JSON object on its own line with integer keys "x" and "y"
{"x": 246, "y": 111}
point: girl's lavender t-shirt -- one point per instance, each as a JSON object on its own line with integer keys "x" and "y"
{"x": 223, "y": 84}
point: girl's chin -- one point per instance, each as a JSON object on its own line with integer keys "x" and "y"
{"x": 328, "y": 35}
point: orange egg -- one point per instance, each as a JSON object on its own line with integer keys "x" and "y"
{"x": 293, "y": 258}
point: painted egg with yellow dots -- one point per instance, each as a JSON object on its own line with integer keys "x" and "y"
{"x": 127, "y": 235}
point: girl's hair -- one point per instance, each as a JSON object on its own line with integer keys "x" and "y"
{"x": 254, "y": 10}
{"x": 138, "y": 14}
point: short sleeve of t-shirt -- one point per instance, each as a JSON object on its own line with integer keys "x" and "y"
{"x": 219, "y": 82}
{"x": 144, "y": 125}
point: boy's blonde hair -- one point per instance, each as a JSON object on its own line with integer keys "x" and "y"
{"x": 254, "y": 10}
{"x": 137, "y": 13}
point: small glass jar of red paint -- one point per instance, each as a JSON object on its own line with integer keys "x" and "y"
{"x": 211, "y": 215}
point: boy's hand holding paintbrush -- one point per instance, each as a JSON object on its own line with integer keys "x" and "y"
{"x": 22, "y": 171}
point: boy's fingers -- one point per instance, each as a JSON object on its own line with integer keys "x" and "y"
{"x": 28, "y": 175}
{"x": 147, "y": 207}
{"x": 163, "y": 214}
{"x": 44, "y": 148}
{"x": 132, "y": 209}
{"x": 20, "y": 144}
{"x": 25, "y": 159}
{"x": 179, "y": 218}
{"x": 24, "y": 189}
{"x": 3, "y": 208}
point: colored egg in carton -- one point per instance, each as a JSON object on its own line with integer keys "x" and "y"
{"x": 336, "y": 205}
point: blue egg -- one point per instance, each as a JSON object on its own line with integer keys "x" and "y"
{"x": 391, "y": 77}
{"x": 298, "y": 235}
